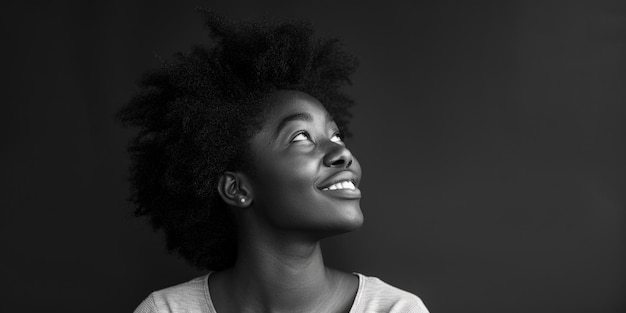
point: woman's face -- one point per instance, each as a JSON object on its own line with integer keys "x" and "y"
{"x": 305, "y": 178}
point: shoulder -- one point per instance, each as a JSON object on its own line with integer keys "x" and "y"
{"x": 375, "y": 295}
{"x": 191, "y": 296}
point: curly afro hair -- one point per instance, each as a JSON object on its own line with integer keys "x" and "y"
{"x": 197, "y": 113}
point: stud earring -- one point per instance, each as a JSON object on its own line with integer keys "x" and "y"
{"x": 242, "y": 199}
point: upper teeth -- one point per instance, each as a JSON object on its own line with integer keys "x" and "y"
{"x": 341, "y": 185}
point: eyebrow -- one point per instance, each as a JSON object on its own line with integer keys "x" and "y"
{"x": 290, "y": 118}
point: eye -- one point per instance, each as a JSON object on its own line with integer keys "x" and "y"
{"x": 337, "y": 138}
{"x": 301, "y": 136}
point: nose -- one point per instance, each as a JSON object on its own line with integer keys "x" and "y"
{"x": 338, "y": 156}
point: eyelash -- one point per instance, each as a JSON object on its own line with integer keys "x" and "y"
{"x": 306, "y": 134}
{"x": 338, "y": 135}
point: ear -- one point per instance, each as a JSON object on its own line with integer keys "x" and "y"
{"x": 235, "y": 189}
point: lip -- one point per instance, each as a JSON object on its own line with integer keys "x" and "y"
{"x": 341, "y": 193}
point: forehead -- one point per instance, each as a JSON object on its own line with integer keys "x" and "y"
{"x": 284, "y": 103}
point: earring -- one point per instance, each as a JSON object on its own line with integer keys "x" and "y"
{"x": 242, "y": 199}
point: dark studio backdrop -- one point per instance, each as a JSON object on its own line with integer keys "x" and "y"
{"x": 491, "y": 137}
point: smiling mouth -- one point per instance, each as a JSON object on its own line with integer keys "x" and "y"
{"x": 346, "y": 184}
{"x": 345, "y": 189}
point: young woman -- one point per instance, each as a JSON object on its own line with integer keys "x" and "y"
{"x": 240, "y": 160}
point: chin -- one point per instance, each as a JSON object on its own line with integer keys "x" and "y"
{"x": 349, "y": 222}
{"x": 356, "y": 221}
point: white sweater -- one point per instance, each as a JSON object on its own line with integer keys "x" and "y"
{"x": 373, "y": 296}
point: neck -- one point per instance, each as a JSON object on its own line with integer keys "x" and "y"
{"x": 279, "y": 273}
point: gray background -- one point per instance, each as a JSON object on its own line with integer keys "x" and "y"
{"x": 490, "y": 135}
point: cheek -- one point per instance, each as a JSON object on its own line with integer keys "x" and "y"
{"x": 285, "y": 182}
